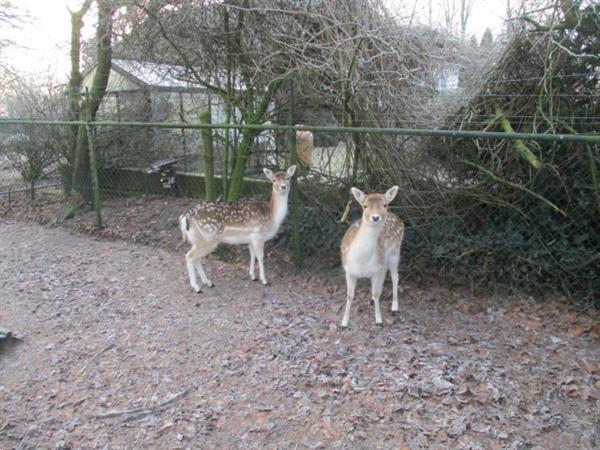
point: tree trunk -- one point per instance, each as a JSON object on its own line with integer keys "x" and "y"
{"x": 74, "y": 89}
{"x": 237, "y": 176}
{"x": 81, "y": 187}
{"x": 258, "y": 116}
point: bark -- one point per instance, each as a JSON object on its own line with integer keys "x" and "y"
{"x": 243, "y": 152}
{"x": 82, "y": 192}
{"x": 74, "y": 87}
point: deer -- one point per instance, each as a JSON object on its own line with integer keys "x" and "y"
{"x": 209, "y": 224}
{"x": 371, "y": 247}
{"x": 304, "y": 149}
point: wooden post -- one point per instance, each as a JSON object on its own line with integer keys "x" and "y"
{"x": 294, "y": 207}
{"x": 93, "y": 163}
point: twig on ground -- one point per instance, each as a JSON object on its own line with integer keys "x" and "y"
{"x": 133, "y": 414}
{"x": 95, "y": 357}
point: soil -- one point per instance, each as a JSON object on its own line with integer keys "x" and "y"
{"x": 116, "y": 351}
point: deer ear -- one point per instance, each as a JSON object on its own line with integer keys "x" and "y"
{"x": 268, "y": 173}
{"x": 358, "y": 195}
{"x": 391, "y": 193}
{"x": 290, "y": 172}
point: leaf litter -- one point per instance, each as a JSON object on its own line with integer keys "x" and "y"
{"x": 117, "y": 352}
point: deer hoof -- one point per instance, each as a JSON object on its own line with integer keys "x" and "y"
{"x": 196, "y": 289}
{"x": 264, "y": 282}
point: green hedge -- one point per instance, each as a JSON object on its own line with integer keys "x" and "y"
{"x": 132, "y": 181}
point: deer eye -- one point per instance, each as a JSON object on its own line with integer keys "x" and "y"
{"x": 385, "y": 205}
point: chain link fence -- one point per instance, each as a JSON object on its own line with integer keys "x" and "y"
{"x": 504, "y": 193}
{"x": 466, "y": 222}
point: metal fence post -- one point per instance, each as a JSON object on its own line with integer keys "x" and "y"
{"x": 93, "y": 163}
{"x": 294, "y": 206}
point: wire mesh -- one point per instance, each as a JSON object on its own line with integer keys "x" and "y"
{"x": 492, "y": 207}
{"x": 461, "y": 222}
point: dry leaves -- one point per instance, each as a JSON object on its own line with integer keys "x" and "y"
{"x": 270, "y": 367}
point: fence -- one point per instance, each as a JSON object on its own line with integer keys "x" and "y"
{"x": 457, "y": 210}
{"x": 460, "y": 235}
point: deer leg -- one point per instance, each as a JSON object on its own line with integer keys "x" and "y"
{"x": 376, "y": 288}
{"x": 252, "y": 257}
{"x": 394, "y": 274}
{"x": 203, "y": 249}
{"x": 190, "y": 259}
{"x": 202, "y": 273}
{"x": 393, "y": 268}
{"x": 259, "y": 251}
{"x": 351, "y": 287}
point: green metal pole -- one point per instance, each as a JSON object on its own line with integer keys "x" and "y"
{"x": 294, "y": 206}
{"x": 208, "y": 157}
{"x": 93, "y": 163}
{"x": 592, "y": 138}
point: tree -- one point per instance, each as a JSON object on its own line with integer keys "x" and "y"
{"x": 81, "y": 184}
{"x": 487, "y": 39}
{"x": 456, "y": 14}
{"x": 352, "y": 58}
{"x": 35, "y": 150}
{"x": 10, "y": 18}
{"x": 465, "y": 12}
{"x": 74, "y": 88}
{"x": 231, "y": 53}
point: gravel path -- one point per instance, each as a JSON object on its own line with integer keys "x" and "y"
{"x": 117, "y": 352}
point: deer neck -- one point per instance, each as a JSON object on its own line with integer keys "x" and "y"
{"x": 366, "y": 238}
{"x": 279, "y": 207}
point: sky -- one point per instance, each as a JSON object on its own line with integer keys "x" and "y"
{"x": 43, "y": 40}
{"x": 43, "y": 50}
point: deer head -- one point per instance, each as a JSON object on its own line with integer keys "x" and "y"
{"x": 374, "y": 205}
{"x": 280, "y": 180}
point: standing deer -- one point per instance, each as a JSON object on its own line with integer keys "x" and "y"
{"x": 371, "y": 247}
{"x": 210, "y": 223}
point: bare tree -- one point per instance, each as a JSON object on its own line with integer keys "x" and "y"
{"x": 231, "y": 53}
{"x": 74, "y": 86}
{"x": 457, "y": 11}
{"x": 10, "y": 18}
{"x": 35, "y": 150}
{"x": 81, "y": 185}
{"x": 352, "y": 58}
{"x": 465, "y": 12}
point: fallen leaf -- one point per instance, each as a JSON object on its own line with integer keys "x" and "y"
{"x": 572, "y": 391}
{"x": 463, "y": 389}
{"x": 589, "y": 367}
{"x": 458, "y": 427}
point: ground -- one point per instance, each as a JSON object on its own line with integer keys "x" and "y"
{"x": 116, "y": 351}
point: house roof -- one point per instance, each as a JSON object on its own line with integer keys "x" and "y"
{"x": 148, "y": 75}
{"x": 152, "y": 74}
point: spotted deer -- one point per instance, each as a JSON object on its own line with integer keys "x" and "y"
{"x": 371, "y": 247}
{"x": 208, "y": 224}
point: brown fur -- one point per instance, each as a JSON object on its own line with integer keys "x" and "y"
{"x": 371, "y": 248}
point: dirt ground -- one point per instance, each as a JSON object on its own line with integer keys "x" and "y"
{"x": 116, "y": 351}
